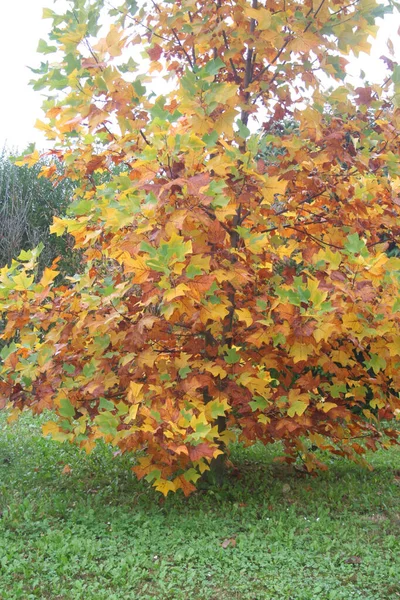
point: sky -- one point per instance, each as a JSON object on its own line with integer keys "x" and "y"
{"x": 21, "y": 27}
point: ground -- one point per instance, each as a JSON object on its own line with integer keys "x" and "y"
{"x": 75, "y": 527}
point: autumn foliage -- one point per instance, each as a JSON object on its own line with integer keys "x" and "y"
{"x": 226, "y": 295}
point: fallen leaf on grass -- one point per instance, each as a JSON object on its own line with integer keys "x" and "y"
{"x": 228, "y": 542}
{"x": 353, "y": 560}
{"x": 66, "y": 470}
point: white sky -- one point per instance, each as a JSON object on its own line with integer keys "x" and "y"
{"x": 21, "y": 27}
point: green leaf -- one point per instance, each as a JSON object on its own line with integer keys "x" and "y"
{"x": 376, "y": 363}
{"x": 191, "y": 475}
{"x": 66, "y": 409}
{"x": 217, "y": 409}
{"x": 212, "y": 67}
{"x": 192, "y": 271}
{"x": 107, "y": 423}
{"x": 44, "y": 48}
{"x": 122, "y": 408}
{"x": 153, "y": 475}
{"x": 243, "y": 130}
{"x": 105, "y": 404}
{"x": 297, "y": 408}
{"x": 89, "y": 369}
{"x": 258, "y": 403}
{"x": 396, "y": 74}
{"x": 183, "y": 372}
{"x": 7, "y": 350}
{"x": 232, "y": 356}
{"x": 48, "y": 13}
{"x": 69, "y": 369}
{"x": 210, "y": 139}
{"x": 355, "y": 245}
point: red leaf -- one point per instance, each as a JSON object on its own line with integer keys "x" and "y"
{"x": 201, "y": 451}
{"x": 155, "y": 52}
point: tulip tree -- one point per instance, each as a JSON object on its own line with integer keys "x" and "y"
{"x": 228, "y": 293}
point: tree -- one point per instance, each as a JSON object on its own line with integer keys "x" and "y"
{"x": 28, "y": 203}
{"x": 224, "y": 294}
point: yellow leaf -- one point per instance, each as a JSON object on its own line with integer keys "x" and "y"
{"x": 394, "y": 347}
{"x": 88, "y": 445}
{"x": 58, "y": 227}
{"x": 379, "y": 266}
{"x": 51, "y": 428}
{"x": 261, "y": 15}
{"x": 147, "y": 358}
{"x": 326, "y": 406}
{"x": 49, "y": 131}
{"x": 324, "y": 330}
{"x": 127, "y": 358}
{"x": 393, "y": 264}
{"x": 224, "y": 125}
{"x": 352, "y": 322}
{"x": 225, "y": 91}
{"x": 216, "y": 370}
{"x": 200, "y": 261}
{"x": 137, "y": 266}
{"x": 297, "y": 408}
{"x": 333, "y": 259}
{"x": 263, "y": 419}
{"x": 298, "y": 402}
{"x": 199, "y": 420}
{"x": 257, "y": 243}
{"x": 244, "y": 315}
{"x": 300, "y": 351}
{"x": 164, "y": 486}
{"x": 48, "y": 276}
{"x": 13, "y": 415}
{"x": 287, "y": 249}
{"x": 202, "y": 465}
{"x": 132, "y": 413}
{"x": 376, "y": 403}
{"x": 135, "y": 392}
{"x": 180, "y": 290}
{"x": 273, "y": 186}
{"x": 213, "y": 312}
{"x": 317, "y": 296}
{"x": 114, "y": 42}
{"x": 29, "y": 159}
{"x": 22, "y": 282}
{"x": 81, "y": 428}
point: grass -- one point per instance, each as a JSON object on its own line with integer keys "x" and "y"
{"x": 95, "y": 533}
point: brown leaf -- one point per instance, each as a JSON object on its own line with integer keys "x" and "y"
{"x": 364, "y": 95}
{"x": 155, "y": 52}
{"x": 196, "y": 182}
{"x": 201, "y": 451}
{"x": 66, "y": 470}
{"x": 90, "y": 63}
{"x": 353, "y": 560}
{"x": 229, "y": 542}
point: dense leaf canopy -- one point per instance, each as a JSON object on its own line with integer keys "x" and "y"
{"x": 227, "y": 293}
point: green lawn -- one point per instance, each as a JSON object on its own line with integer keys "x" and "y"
{"x": 96, "y": 533}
